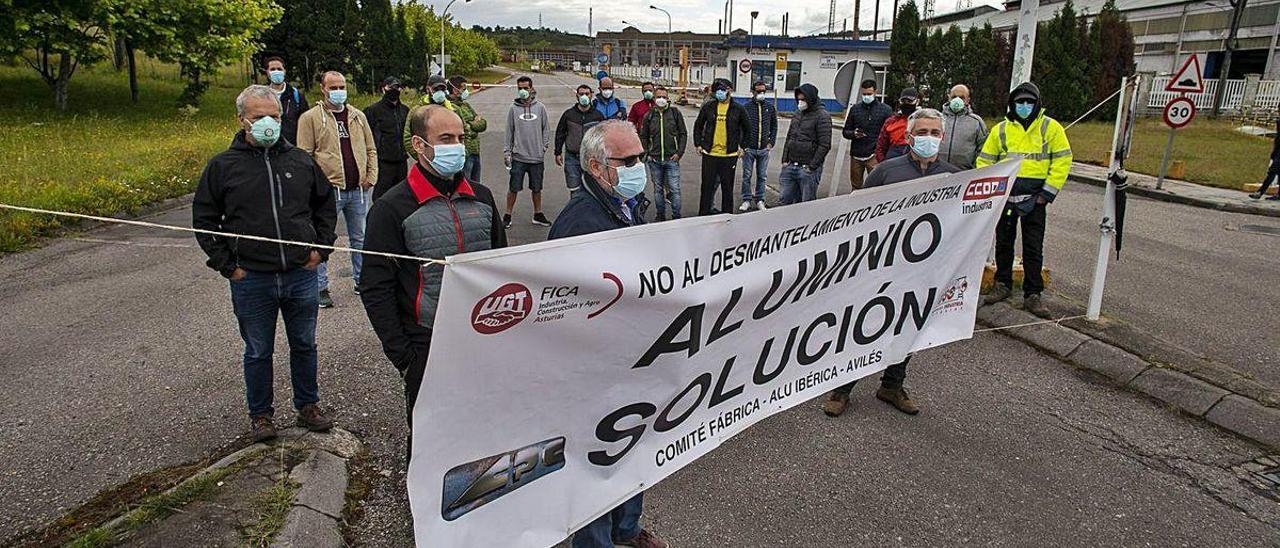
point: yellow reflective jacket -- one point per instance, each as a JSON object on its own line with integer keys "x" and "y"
{"x": 1043, "y": 144}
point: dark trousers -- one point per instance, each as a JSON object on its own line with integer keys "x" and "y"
{"x": 717, "y": 174}
{"x": 471, "y": 168}
{"x": 258, "y": 299}
{"x": 389, "y": 174}
{"x": 413, "y": 383}
{"x": 621, "y": 523}
{"x": 1033, "y": 225}
{"x": 893, "y": 377}
{"x": 1273, "y": 170}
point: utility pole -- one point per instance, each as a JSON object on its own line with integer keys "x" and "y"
{"x": 1230, "y": 44}
{"x": 875, "y": 24}
{"x": 831, "y": 18}
{"x": 857, "y": 7}
{"x": 590, "y": 18}
{"x": 1024, "y": 48}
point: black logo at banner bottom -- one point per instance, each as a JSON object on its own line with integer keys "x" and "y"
{"x": 479, "y": 482}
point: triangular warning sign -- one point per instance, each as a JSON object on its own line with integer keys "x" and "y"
{"x": 1188, "y": 79}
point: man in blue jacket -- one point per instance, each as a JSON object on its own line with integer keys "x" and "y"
{"x": 762, "y": 131}
{"x": 610, "y": 106}
{"x": 612, "y": 197}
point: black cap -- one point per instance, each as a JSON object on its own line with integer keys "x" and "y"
{"x": 909, "y": 93}
{"x": 390, "y": 81}
{"x": 435, "y": 80}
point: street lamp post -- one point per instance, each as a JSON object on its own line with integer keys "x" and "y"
{"x": 671, "y": 44}
{"x": 443, "y": 17}
{"x": 751, "y": 33}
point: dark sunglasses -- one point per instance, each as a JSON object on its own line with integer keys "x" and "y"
{"x": 629, "y": 160}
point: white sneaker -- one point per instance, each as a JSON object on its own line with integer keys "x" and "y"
{"x": 760, "y": 205}
{"x": 745, "y": 207}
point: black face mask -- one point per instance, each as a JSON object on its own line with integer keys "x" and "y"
{"x": 392, "y": 95}
{"x": 907, "y": 108}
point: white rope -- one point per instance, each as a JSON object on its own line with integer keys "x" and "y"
{"x": 1095, "y": 107}
{"x": 1041, "y": 322}
{"x": 216, "y": 233}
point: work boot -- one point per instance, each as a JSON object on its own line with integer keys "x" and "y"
{"x": 1034, "y": 304}
{"x": 313, "y": 419}
{"x": 1256, "y": 195}
{"x": 325, "y": 300}
{"x": 998, "y": 293}
{"x": 262, "y": 428}
{"x": 898, "y": 398}
{"x": 643, "y": 540}
{"x": 835, "y": 404}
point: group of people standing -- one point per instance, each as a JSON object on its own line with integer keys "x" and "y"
{"x": 414, "y": 174}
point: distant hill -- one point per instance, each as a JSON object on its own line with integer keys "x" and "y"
{"x": 514, "y": 38}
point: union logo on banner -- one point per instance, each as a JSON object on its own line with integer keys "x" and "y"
{"x": 502, "y": 309}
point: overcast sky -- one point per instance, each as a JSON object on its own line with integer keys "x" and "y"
{"x": 807, "y": 16}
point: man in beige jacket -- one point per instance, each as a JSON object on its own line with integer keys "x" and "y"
{"x": 338, "y": 138}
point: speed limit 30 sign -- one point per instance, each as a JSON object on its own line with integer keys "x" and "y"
{"x": 1179, "y": 112}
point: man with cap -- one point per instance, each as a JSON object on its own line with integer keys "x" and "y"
{"x": 892, "y": 141}
{"x": 717, "y": 136}
{"x": 387, "y": 120}
{"x": 1046, "y": 161}
{"x": 473, "y": 123}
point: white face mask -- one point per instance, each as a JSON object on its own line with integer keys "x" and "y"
{"x": 661, "y": 102}
{"x": 606, "y": 93}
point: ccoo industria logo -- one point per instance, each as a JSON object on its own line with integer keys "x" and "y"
{"x": 502, "y": 309}
{"x": 479, "y": 482}
{"x": 982, "y": 189}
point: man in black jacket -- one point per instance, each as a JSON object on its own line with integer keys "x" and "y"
{"x": 434, "y": 214}
{"x": 263, "y": 186}
{"x": 1273, "y": 168}
{"x": 808, "y": 141}
{"x": 386, "y": 120}
{"x": 573, "y": 123}
{"x": 762, "y": 131}
{"x": 862, "y": 129}
{"x": 292, "y": 102}
{"x": 612, "y": 197}
{"x": 663, "y": 135}
{"x": 717, "y": 136}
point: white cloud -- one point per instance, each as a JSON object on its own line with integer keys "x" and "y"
{"x": 694, "y": 15}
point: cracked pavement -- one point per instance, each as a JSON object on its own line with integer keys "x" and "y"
{"x": 120, "y": 359}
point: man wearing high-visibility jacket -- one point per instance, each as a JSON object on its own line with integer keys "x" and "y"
{"x": 1046, "y": 160}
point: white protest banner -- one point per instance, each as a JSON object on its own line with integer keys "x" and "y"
{"x": 567, "y": 376}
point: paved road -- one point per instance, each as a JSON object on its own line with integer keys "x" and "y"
{"x": 122, "y": 357}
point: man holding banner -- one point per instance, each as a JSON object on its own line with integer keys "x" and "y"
{"x": 924, "y": 135}
{"x": 613, "y": 182}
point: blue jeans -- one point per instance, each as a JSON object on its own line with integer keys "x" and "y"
{"x": 760, "y": 159}
{"x": 257, "y": 300}
{"x": 572, "y": 170}
{"x": 353, "y": 205}
{"x": 621, "y": 523}
{"x": 666, "y": 186}
{"x": 798, "y": 184}
{"x": 471, "y": 169}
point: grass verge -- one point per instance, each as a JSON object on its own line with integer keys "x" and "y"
{"x": 1214, "y": 152}
{"x": 270, "y": 508}
{"x": 361, "y": 479}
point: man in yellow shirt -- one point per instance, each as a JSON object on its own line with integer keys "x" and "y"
{"x": 1046, "y": 161}
{"x": 717, "y": 133}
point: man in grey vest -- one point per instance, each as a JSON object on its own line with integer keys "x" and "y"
{"x": 418, "y": 218}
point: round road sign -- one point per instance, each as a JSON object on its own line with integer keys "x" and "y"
{"x": 602, "y": 59}
{"x": 744, "y": 66}
{"x": 1179, "y": 112}
{"x": 601, "y": 75}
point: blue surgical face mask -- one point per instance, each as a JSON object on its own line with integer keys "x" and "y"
{"x": 868, "y": 99}
{"x": 721, "y": 94}
{"x": 631, "y": 180}
{"x": 466, "y": 94}
{"x": 438, "y": 97}
{"x": 265, "y": 131}
{"x": 449, "y": 159}
{"x": 925, "y": 146}
{"x": 1023, "y": 110}
{"x": 338, "y": 96}
{"x": 276, "y": 76}
{"x": 956, "y": 105}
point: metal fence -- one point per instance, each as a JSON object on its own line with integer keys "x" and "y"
{"x": 1231, "y": 100}
{"x": 699, "y": 75}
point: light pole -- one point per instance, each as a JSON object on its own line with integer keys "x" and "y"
{"x": 671, "y": 43}
{"x": 444, "y": 15}
{"x": 751, "y": 33}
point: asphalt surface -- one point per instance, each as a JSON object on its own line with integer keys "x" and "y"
{"x": 120, "y": 356}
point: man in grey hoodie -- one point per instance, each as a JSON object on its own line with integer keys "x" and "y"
{"x": 524, "y": 148}
{"x": 963, "y": 130}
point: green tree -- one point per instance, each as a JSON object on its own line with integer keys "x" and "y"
{"x": 211, "y": 33}
{"x": 351, "y": 37}
{"x": 380, "y": 44}
{"x": 56, "y": 37}
{"x": 978, "y": 70}
{"x": 1059, "y": 70}
{"x": 1113, "y": 41}
{"x": 947, "y": 63}
{"x": 907, "y": 49}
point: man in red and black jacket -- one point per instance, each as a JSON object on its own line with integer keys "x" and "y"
{"x": 436, "y": 213}
{"x": 892, "y": 141}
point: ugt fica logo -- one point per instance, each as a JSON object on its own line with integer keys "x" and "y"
{"x": 502, "y": 309}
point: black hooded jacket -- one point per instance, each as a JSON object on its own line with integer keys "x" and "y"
{"x": 1025, "y": 88}
{"x": 277, "y": 192}
{"x": 809, "y": 137}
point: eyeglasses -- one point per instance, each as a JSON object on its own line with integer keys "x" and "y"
{"x": 627, "y": 161}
